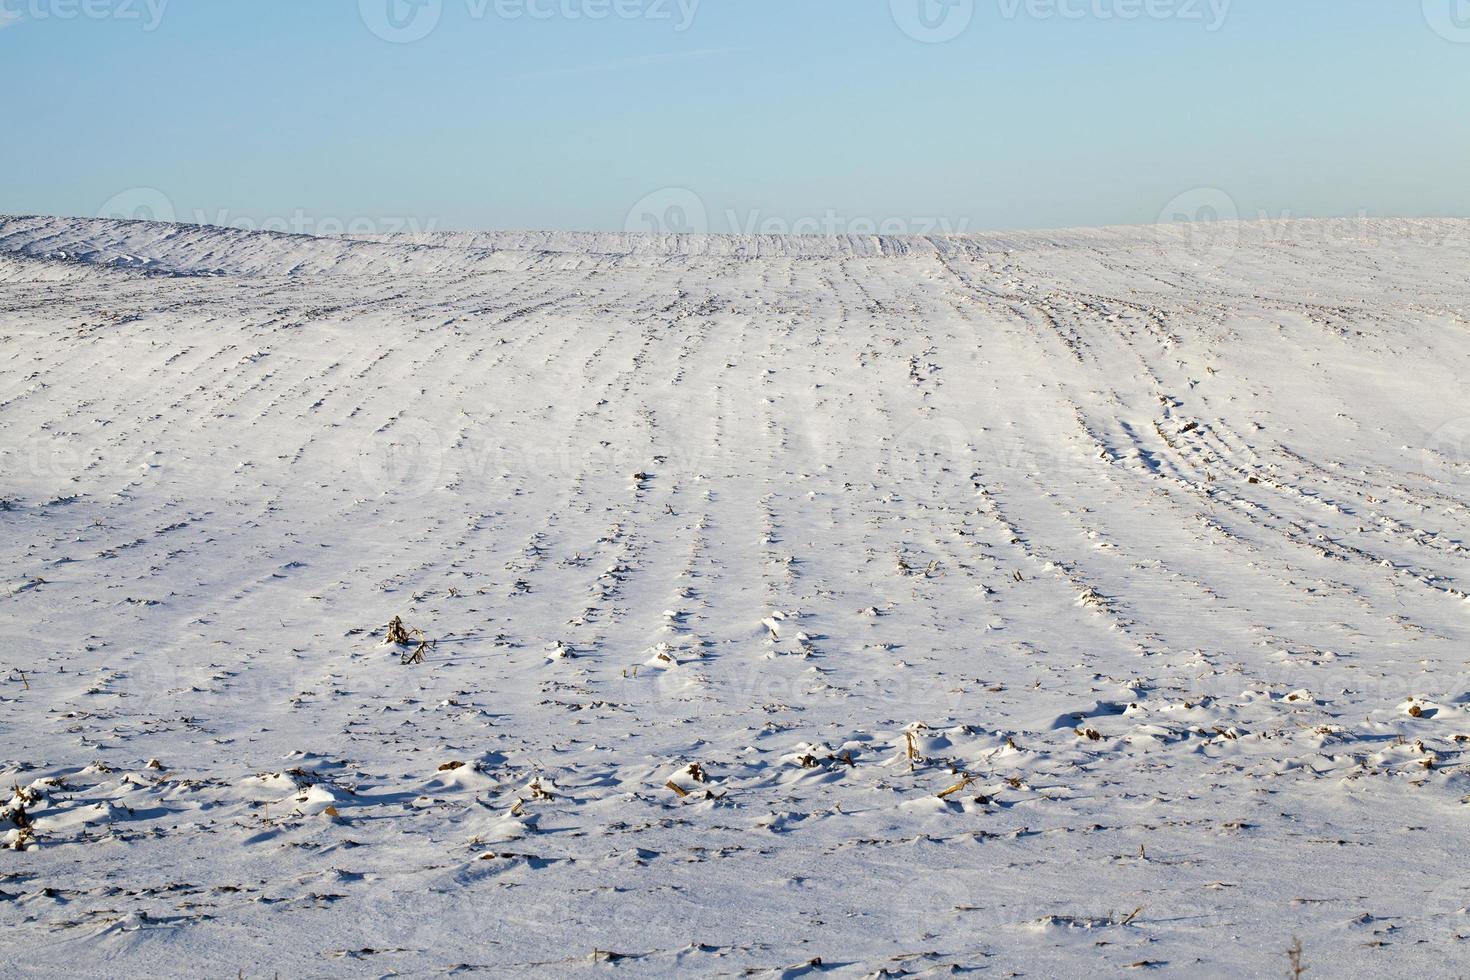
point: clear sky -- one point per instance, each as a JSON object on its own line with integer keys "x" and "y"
{"x": 807, "y": 115}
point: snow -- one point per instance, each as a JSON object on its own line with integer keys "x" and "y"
{"x": 1047, "y": 602}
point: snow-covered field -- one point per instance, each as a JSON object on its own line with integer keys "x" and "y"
{"x": 1027, "y": 603}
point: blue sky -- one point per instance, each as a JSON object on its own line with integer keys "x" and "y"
{"x": 809, "y": 115}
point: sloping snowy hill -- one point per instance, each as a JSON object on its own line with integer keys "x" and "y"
{"x": 1045, "y": 602}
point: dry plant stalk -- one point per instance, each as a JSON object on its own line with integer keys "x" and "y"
{"x": 417, "y": 656}
{"x": 396, "y": 632}
{"x": 1294, "y": 954}
{"x": 957, "y": 787}
{"x": 19, "y": 817}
